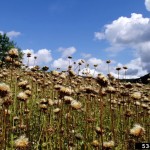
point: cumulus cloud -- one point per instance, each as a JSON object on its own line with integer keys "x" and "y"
{"x": 44, "y": 57}
{"x": 11, "y": 34}
{"x": 85, "y": 55}
{"x": 132, "y": 33}
{"x": 60, "y": 63}
{"x": 125, "y": 31}
{"x": 147, "y": 4}
{"x": 67, "y": 51}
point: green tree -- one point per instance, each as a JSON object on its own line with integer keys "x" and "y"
{"x": 5, "y": 45}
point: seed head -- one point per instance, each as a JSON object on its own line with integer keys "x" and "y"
{"x": 56, "y": 110}
{"x": 13, "y": 53}
{"x": 95, "y": 143}
{"x": 136, "y": 95}
{"x": 28, "y": 54}
{"x": 109, "y": 144}
{"x": 22, "y": 96}
{"x": 108, "y": 61}
{"x": 4, "y": 90}
{"x": 111, "y": 89}
{"x": 102, "y": 80}
{"x": 21, "y": 142}
{"x": 137, "y": 130}
{"x": 76, "y": 105}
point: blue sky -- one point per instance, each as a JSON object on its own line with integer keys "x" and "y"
{"x": 94, "y": 30}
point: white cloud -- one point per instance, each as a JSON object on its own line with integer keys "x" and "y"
{"x": 124, "y": 31}
{"x": 67, "y": 51}
{"x": 11, "y": 34}
{"x": 132, "y": 33}
{"x": 44, "y": 57}
{"x": 147, "y": 4}
{"x": 99, "y": 35}
{"x": 85, "y": 55}
{"x": 60, "y": 63}
{"x": 94, "y": 61}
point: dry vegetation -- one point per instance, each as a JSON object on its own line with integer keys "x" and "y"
{"x": 62, "y": 110}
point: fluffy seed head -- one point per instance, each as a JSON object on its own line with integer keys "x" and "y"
{"x": 22, "y": 96}
{"x": 136, "y": 95}
{"x": 76, "y": 105}
{"x": 21, "y": 142}
{"x": 102, "y": 80}
{"x": 137, "y": 130}
{"x": 4, "y": 90}
{"x": 13, "y": 53}
{"x": 109, "y": 144}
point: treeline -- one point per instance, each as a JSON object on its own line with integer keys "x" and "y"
{"x": 144, "y": 79}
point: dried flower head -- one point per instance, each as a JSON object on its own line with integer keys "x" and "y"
{"x": 125, "y": 67}
{"x": 111, "y": 89}
{"x": 8, "y": 59}
{"x": 109, "y": 144}
{"x": 55, "y": 73}
{"x": 56, "y": 110}
{"x": 23, "y": 84}
{"x": 66, "y": 90}
{"x": 102, "y": 80}
{"x": 22, "y": 142}
{"x": 22, "y": 96}
{"x": 137, "y": 130}
{"x": 118, "y": 68}
{"x": 108, "y": 61}
{"x": 71, "y": 73}
{"x": 76, "y": 105}
{"x": 136, "y": 95}
{"x": 13, "y": 53}
{"x": 28, "y": 54}
{"x": 95, "y": 143}
{"x": 4, "y": 90}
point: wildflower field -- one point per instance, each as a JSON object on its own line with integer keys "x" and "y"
{"x": 60, "y": 110}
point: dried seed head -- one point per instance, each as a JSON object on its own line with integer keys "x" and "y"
{"x": 28, "y": 92}
{"x": 22, "y": 96}
{"x": 109, "y": 144}
{"x": 137, "y": 130}
{"x": 78, "y": 136}
{"x": 118, "y": 68}
{"x": 56, "y": 110}
{"x": 136, "y": 95}
{"x": 99, "y": 130}
{"x": 68, "y": 99}
{"x": 95, "y": 143}
{"x": 71, "y": 73}
{"x": 125, "y": 67}
{"x": 108, "y": 61}
{"x": 102, "y": 80}
{"x": 111, "y": 89}
{"x": 55, "y": 73}
{"x": 22, "y": 142}
{"x": 45, "y": 68}
{"x": 13, "y": 53}
{"x": 23, "y": 84}
{"x": 28, "y": 54}
{"x": 137, "y": 103}
{"x": 66, "y": 90}
{"x": 4, "y": 90}
{"x": 43, "y": 106}
{"x": 50, "y": 102}
{"x": 76, "y": 105}
{"x": 8, "y": 59}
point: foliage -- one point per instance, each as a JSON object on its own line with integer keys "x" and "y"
{"x": 5, "y": 45}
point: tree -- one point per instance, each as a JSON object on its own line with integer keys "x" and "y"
{"x": 5, "y": 45}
